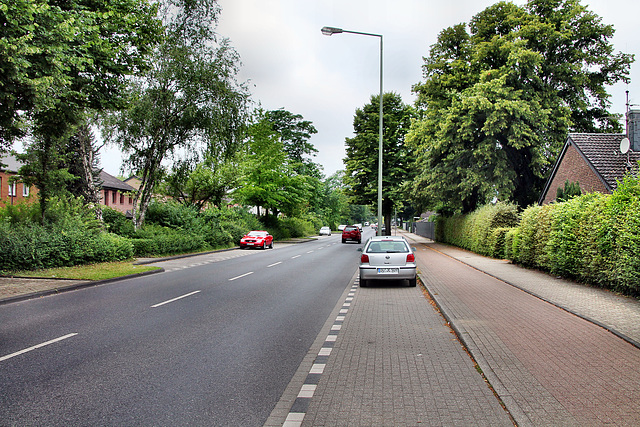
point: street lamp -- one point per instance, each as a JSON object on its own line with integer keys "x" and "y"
{"x": 328, "y": 31}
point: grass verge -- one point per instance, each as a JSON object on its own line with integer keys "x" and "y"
{"x": 101, "y": 271}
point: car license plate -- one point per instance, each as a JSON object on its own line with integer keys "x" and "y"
{"x": 387, "y": 271}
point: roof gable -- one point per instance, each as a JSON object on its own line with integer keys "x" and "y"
{"x": 111, "y": 182}
{"x": 602, "y": 152}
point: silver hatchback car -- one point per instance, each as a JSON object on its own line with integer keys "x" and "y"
{"x": 387, "y": 258}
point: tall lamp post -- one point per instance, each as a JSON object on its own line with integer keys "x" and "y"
{"x": 328, "y": 31}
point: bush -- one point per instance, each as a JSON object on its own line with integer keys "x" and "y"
{"x": 294, "y": 227}
{"x": 594, "y": 238}
{"x": 155, "y": 240}
{"x": 474, "y": 231}
{"x": 496, "y": 242}
{"x": 33, "y": 247}
{"x": 117, "y": 223}
{"x": 172, "y": 214}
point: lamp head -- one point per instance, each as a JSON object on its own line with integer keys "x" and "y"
{"x": 327, "y": 31}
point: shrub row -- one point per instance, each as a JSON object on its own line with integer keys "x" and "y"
{"x": 31, "y": 247}
{"x": 594, "y": 238}
{"x": 482, "y": 231}
{"x": 156, "y": 240}
{"x": 71, "y": 235}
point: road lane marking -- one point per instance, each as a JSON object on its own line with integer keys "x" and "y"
{"x": 297, "y": 256}
{"x": 274, "y": 264}
{"x": 309, "y": 252}
{"x": 175, "y": 299}
{"x": 242, "y": 275}
{"x": 9, "y": 356}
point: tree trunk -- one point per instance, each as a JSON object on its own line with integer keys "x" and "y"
{"x": 87, "y": 153}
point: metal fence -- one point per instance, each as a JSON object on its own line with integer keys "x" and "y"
{"x": 425, "y": 229}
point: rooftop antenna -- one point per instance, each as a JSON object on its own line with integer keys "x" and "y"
{"x": 626, "y": 125}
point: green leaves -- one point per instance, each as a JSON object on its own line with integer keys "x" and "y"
{"x": 362, "y": 152}
{"x": 497, "y": 103}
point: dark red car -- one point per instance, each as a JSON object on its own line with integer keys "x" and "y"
{"x": 351, "y": 232}
{"x": 257, "y": 239}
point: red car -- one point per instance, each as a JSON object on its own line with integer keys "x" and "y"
{"x": 257, "y": 239}
{"x": 351, "y": 232}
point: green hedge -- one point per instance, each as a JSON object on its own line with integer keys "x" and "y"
{"x": 156, "y": 240}
{"x": 32, "y": 247}
{"x": 482, "y": 231}
{"x": 594, "y": 238}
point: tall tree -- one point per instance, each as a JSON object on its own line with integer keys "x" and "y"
{"x": 497, "y": 102}
{"x": 66, "y": 55}
{"x": 189, "y": 101}
{"x": 60, "y": 58}
{"x": 361, "y": 162}
{"x": 201, "y": 183}
{"x": 82, "y": 158}
{"x": 295, "y": 133}
{"x": 267, "y": 179}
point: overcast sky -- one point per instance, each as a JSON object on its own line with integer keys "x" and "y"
{"x": 289, "y": 64}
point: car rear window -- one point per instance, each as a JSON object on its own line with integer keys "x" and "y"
{"x": 350, "y": 227}
{"x": 387, "y": 246}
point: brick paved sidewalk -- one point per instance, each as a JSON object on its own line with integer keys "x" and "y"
{"x": 619, "y": 314}
{"x": 396, "y": 363}
{"x": 548, "y": 366}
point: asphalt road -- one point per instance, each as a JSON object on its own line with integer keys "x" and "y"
{"x": 205, "y": 344}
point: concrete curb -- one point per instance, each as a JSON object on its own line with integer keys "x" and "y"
{"x": 80, "y": 285}
{"x": 550, "y": 301}
{"x": 85, "y": 283}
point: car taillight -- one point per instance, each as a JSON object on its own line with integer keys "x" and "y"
{"x": 411, "y": 258}
{"x": 364, "y": 258}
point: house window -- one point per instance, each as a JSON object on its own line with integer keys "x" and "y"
{"x": 113, "y": 197}
{"x": 25, "y": 190}
{"x": 106, "y": 197}
{"x": 130, "y": 200}
{"x": 122, "y": 199}
{"x": 12, "y": 189}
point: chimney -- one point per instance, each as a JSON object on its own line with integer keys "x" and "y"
{"x": 633, "y": 131}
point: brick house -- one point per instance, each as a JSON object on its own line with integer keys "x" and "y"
{"x": 12, "y": 189}
{"x": 116, "y": 194}
{"x": 594, "y": 161}
{"x": 113, "y": 192}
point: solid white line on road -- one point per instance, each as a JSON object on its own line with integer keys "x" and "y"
{"x": 9, "y": 356}
{"x": 175, "y": 299}
{"x": 242, "y": 275}
{"x": 274, "y": 264}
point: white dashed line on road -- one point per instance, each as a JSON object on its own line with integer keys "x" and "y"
{"x": 9, "y": 356}
{"x": 175, "y": 299}
{"x": 241, "y": 276}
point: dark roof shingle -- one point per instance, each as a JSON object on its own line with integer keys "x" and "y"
{"x": 602, "y": 151}
{"x": 111, "y": 182}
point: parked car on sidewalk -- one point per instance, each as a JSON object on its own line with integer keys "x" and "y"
{"x": 257, "y": 239}
{"x": 387, "y": 258}
{"x": 326, "y": 231}
{"x": 351, "y": 232}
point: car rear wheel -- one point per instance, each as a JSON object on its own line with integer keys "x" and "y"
{"x": 344, "y": 241}
{"x": 413, "y": 282}
{"x": 363, "y": 283}
{"x": 271, "y": 245}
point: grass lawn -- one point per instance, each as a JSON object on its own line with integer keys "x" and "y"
{"x": 101, "y": 271}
